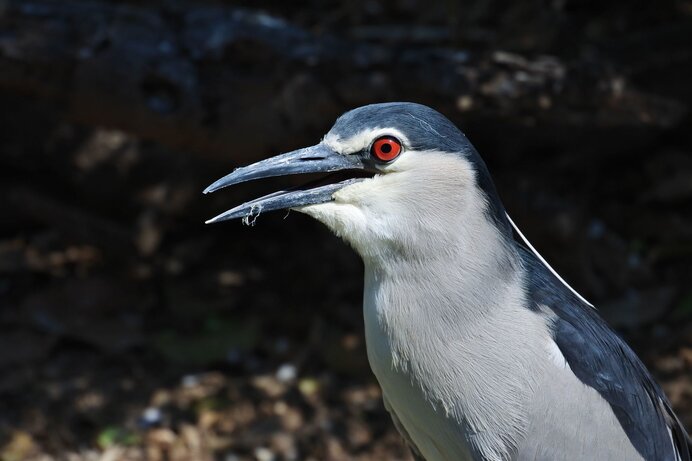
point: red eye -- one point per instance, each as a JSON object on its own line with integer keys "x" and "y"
{"x": 386, "y": 148}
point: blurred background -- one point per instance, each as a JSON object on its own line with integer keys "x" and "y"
{"x": 129, "y": 330}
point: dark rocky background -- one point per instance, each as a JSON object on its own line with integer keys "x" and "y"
{"x": 129, "y": 330}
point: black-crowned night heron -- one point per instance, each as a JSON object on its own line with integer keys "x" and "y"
{"x": 483, "y": 352}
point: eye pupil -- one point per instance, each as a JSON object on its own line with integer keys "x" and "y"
{"x": 386, "y": 148}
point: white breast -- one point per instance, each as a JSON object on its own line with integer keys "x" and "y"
{"x": 418, "y": 417}
{"x": 447, "y": 379}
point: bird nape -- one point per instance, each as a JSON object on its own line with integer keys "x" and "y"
{"x": 482, "y": 351}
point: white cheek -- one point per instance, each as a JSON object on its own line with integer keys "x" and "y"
{"x": 344, "y": 219}
{"x": 389, "y": 212}
{"x": 350, "y": 217}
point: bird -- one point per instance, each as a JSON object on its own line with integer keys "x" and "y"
{"x": 482, "y": 351}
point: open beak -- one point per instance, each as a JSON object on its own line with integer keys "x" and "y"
{"x": 314, "y": 159}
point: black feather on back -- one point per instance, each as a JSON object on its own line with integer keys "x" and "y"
{"x": 602, "y": 360}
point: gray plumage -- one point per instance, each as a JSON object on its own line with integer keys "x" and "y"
{"x": 482, "y": 351}
{"x": 603, "y": 361}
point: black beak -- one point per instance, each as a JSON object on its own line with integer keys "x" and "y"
{"x": 314, "y": 159}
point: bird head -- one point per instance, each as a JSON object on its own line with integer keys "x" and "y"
{"x": 400, "y": 179}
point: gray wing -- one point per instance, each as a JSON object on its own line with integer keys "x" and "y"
{"x": 602, "y": 360}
